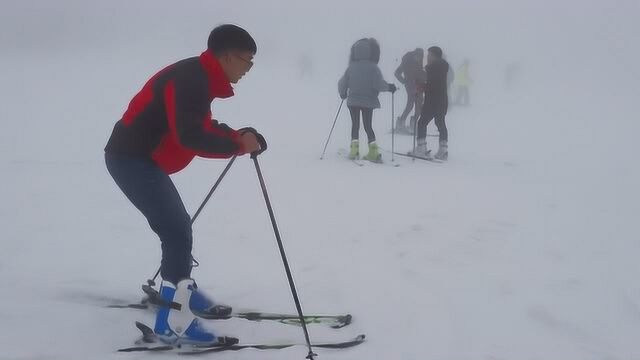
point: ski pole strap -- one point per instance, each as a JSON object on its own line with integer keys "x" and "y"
{"x": 155, "y": 298}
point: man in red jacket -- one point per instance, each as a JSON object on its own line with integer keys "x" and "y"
{"x": 166, "y": 125}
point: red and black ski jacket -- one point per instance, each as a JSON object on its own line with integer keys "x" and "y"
{"x": 169, "y": 121}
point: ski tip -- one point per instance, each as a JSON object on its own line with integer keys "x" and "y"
{"x": 116, "y": 306}
{"x": 144, "y": 328}
{"x": 147, "y": 348}
{"x": 347, "y": 319}
{"x": 343, "y": 345}
{"x": 132, "y": 349}
{"x": 343, "y": 321}
{"x": 128, "y": 306}
{"x": 140, "y": 325}
{"x": 139, "y": 306}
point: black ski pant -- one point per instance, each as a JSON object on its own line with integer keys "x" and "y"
{"x": 367, "y": 119}
{"x": 414, "y": 101}
{"x": 429, "y": 113}
{"x": 152, "y": 192}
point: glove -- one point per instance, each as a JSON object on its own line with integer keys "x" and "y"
{"x": 343, "y": 96}
{"x": 222, "y": 126}
{"x": 261, "y": 141}
{"x": 392, "y": 88}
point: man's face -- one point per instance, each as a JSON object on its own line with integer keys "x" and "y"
{"x": 431, "y": 58}
{"x": 236, "y": 64}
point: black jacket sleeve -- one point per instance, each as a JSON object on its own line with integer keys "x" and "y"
{"x": 193, "y": 124}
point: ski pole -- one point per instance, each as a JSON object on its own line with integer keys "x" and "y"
{"x": 206, "y": 199}
{"x": 287, "y": 269}
{"x": 331, "y": 132}
{"x": 393, "y": 128}
{"x": 415, "y": 135}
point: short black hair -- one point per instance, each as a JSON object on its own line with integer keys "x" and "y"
{"x": 435, "y": 50}
{"x": 230, "y": 37}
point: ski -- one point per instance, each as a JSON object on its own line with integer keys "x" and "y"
{"x": 380, "y": 162}
{"x": 276, "y": 346}
{"x": 363, "y": 161}
{"x": 433, "y": 160}
{"x": 195, "y": 350}
{"x": 409, "y": 155}
{"x": 430, "y": 159}
{"x": 226, "y": 344}
{"x": 224, "y": 312}
{"x": 409, "y": 133}
{"x": 153, "y": 343}
{"x": 333, "y": 321}
{"x": 343, "y": 153}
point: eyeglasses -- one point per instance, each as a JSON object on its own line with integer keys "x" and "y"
{"x": 248, "y": 62}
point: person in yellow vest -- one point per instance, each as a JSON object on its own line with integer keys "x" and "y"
{"x": 461, "y": 83}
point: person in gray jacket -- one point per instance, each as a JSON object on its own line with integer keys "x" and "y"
{"x": 360, "y": 85}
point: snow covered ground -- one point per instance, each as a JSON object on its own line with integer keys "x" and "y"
{"x": 523, "y": 246}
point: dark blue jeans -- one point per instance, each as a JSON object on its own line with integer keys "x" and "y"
{"x": 153, "y": 193}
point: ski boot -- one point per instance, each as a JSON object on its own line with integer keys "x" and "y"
{"x": 402, "y": 129}
{"x": 355, "y": 150}
{"x": 203, "y": 306}
{"x": 421, "y": 150}
{"x": 374, "y": 154}
{"x": 443, "y": 151}
{"x": 176, "y": 323}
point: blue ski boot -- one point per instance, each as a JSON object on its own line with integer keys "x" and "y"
{"x": 176, "y": 323}
{"x": 204, "y": 307}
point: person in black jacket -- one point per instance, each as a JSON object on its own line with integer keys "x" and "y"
{"x": 435, "y": 104}
{"x": 410, "y": 74}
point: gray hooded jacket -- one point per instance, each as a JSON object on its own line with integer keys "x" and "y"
{"x": 363, "y": 81}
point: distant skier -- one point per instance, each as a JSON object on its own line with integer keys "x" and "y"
{"x": 410, "y": 74}
{"x": 166, "y": 125}
{"x": 435, "y": 104}
{"x": 461, "y": 83}
{"x": 360, "y": 85}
